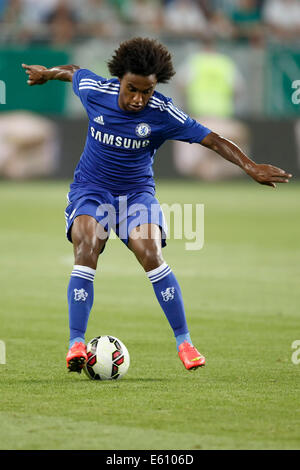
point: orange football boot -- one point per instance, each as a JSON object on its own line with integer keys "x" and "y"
{"x": 190, "y": 357}
{"x": 76, "y": 357}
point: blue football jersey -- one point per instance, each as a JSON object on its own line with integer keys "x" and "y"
{"x": 121, "y": 145}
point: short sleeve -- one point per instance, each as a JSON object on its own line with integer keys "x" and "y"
{"x": 183, "y": 127}
{"x": 83, "y": 82}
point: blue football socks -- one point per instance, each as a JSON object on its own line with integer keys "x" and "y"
{"x": 80, "y": 300}
{"x": 166, "y": 288}
{"x": 168, "y": 293}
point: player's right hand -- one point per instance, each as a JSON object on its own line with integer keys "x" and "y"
{"x": 35, "y": 74}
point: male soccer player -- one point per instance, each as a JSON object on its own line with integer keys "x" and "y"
{"x": 128, "y": 122}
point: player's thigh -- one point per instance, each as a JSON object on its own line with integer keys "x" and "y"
{"x": 88, "y": 235}
{"x": 145, "y": 242}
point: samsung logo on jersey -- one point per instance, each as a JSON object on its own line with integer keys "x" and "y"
{"x": 118, "y": 141}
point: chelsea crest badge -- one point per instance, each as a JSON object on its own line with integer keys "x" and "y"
{"x": 143, "y": 130}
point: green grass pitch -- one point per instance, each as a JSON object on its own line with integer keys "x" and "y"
{"x": 242, "y": 299}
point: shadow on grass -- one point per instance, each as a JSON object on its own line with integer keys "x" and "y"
{"x": 84, "y": 380}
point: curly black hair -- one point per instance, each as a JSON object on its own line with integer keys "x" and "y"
{"x": 142, "y": 56}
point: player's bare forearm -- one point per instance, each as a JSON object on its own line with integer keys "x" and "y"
{"x": 62, "y": 72}
{"x": 38, "y": 74}
{"x": 262, "y": 173}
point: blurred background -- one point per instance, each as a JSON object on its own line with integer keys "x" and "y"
{"x": 238, "y": 72}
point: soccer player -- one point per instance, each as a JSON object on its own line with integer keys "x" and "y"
{"x": 128, "y": 122}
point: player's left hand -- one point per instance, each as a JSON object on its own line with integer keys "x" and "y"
{"x": 268, "y": 174}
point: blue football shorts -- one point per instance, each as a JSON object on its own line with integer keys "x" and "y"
{"x": 119, "y": 213}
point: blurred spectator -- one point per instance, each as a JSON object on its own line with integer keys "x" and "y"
{"x": 146, "y": 14}
{"x": 9, "y": 14}
{"x": 246, "y": 20}
{"x": 211, "y": 84}
{"x": 221, "y": 24}
{"x": 62, "y": 21}
{"x": 24, "y": 20}
{"x": 98, "y": 18}
{"x": 3, "y": 7}
{"x": 226, "y": 6}
{"x": 28, "y": 145}
{"x": 283, "y": 19}
{"x": 65, "y": 21}
{"x": 33, "y": 11}
{"x": 185, "y": 18}
{"x": 218, "y": 18}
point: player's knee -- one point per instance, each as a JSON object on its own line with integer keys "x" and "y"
{"x": 151, "y": 258}
{"x": 87, "y": 250}
{"x": 87, "y": 241}
{"x": 86, "y": 246}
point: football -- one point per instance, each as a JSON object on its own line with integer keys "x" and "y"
{"x": 108, "y": 358}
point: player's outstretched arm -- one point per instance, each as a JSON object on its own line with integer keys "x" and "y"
{"x": 262, "y": 173}
{"x": 38, "y": 74}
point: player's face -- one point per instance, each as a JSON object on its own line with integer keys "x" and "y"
{"x": 135, "y": 91}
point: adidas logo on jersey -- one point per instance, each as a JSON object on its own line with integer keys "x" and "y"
{"x": 99, "y": 120}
